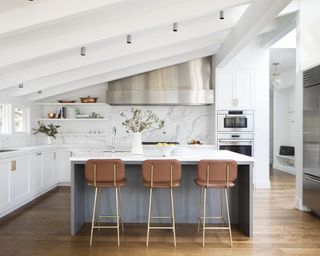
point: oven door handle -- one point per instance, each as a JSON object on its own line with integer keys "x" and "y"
{"x": 233, "y": 116}
{"x": 250, "y": 141}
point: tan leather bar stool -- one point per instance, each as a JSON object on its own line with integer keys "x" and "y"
{"x": 215, "y": 174}
{"x": 162, "y": 174}
{"x": 101, "y": 174}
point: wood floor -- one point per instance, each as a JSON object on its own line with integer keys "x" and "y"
{"x": 43, "y": 229}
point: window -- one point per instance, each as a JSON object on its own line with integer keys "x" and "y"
{"x": 20, "y": 119}
{"x": 4, "y": 119}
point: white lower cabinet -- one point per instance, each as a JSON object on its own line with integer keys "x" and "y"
{"x": 4, "y": 183}
{"x": 47, "y": 169}
{"x": 24, "y": 178}
{"x": 35, "y": 177}
{"x": 19, "y": 175}
{"x": 65, "y": 167}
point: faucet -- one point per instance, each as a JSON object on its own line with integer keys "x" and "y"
{"x": 114, "y": 132}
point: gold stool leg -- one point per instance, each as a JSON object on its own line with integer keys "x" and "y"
{"x": 204, "y": 216}
{"x": 149, "y": 216}
{"x": 221, "y": 209}
{"x": 200, "y": 208}
{"x": 99, "y": 207}
{"x": 93, "y": 214}
{"x": 227, "y": 203}
{"x": 117, "y": 216}
{"x": 120, "y": 206}
{"x": 172, "y": 218}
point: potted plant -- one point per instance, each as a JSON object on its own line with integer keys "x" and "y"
{"x": 138, "y": 123}
{"x": 50, "y": 130}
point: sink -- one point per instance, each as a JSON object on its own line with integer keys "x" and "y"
{"x": 6, "y": 150}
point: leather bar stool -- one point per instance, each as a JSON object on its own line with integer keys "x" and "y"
{"x": 102, "y": 174}
{"x": 161, "y": 174}
{"x": 215, "y": 174}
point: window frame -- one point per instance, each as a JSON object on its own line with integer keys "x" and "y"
{"x": 6, "y": 130}
{"x": 25, "y": 120}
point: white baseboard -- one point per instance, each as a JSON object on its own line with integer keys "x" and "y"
{"x": 282, "y": 168}
{"x": 64, "y": 183}
{"x": 299, "y": 205}
{"x": 261, "y": 184}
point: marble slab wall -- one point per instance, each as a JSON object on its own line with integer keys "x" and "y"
{"x": 181, "y": 123}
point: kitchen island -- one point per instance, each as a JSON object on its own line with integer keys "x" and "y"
{"x": 186, "y": 197}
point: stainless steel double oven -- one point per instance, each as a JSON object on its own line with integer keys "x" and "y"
{"x": 236, "y": 131}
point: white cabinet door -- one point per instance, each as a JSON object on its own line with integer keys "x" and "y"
{"x": 4, "y": 182}
{"x": 225, "y": 90}
{"x": 35, "y": 178}
{"x": 65, "y": 167}
{"x": 56, "y": 164}
{"x": 243, "y": 90}
{"x": 19, "y": 178}
{"x": 47, "y": 169}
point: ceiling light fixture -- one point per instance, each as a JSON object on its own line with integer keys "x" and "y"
{"x": 221, "y": 15}
{"x": 83, "y": 51}
{"x": 39, "y": 92}
{"x": 175, "y": 27}
{"x": 129, "y": 39}
{"x": 20, "y": 86}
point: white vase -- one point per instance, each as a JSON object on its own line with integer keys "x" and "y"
{"x": 49, "y": 140}
{"x": 136, "y": 147}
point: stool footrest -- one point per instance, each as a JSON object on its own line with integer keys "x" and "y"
{"x": 160, "y": 217}
{"x": 218, "y": 228}
{"x": 110, "y": 216}
{"x": 105, "y": 226}
{"x": 160, "y": 227}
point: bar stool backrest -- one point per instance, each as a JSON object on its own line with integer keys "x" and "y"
{"x": 161, "y": 171}
{"x": 211, "y": 171}
{"x": 104, "y": 171}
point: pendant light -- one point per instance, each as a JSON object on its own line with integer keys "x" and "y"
{"x": 175, "y": 27}
{"x": 83, "y": 51}
{"x": 222, "y": 15}
{"x": 129, "y": 39}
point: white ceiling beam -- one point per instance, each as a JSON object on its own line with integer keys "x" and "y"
{"x": 46, "y": 12}
{"x": 140, "y": 66}
{"x": 152, "y": 40}
{"x": 123, "y": 61}
{"x": 152, "y": 19}
{"x": 285, "y": 24}
{"x": 258, "y": 15}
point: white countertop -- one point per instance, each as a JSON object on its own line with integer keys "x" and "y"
{"x": 193, "y": 158}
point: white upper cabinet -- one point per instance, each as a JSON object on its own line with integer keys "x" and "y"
{"x": 234, "y": 90}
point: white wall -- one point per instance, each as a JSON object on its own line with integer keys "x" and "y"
{"x": 255, "y": 58}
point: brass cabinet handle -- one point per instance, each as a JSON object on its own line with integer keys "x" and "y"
{"x": 13, "y": 165}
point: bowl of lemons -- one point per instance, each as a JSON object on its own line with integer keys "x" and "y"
{"x": 165, "y": 148}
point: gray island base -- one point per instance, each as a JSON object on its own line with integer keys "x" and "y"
{"x": 186, "y": 197}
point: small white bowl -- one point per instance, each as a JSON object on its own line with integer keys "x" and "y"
{"x": 166, "y": 150}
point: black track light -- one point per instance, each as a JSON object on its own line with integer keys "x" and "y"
{"x": 221, "y": 15}
{"x": 20, "y": 86}
{"x": 39, "y": 92}
{"x": 129, "y": 39}
{"x": 175, "y": 27}
{"x": 83, "y": 51}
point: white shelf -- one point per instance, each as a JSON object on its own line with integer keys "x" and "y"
{"x": 68, "y": 120}
{"x": 84, "y": 134}
{"x": 74, "y": 104}
{"x": 286, "y": 157}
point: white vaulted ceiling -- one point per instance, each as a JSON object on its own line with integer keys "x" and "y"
{"x": 40, "y": 40}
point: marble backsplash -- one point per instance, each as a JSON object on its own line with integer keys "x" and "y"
{"x": 181, "y": 123}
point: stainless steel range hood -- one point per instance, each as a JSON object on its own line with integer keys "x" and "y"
{"x": 188, "y": 83}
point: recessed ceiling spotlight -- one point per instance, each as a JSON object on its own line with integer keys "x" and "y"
{"x": 39, "y": 92}
{"x": 175, "y": 27}
{"x": 129, "y": 39}
{"x": 221, "y": 15}
{"x": 83, "y": 51}
{"x": 20, "y": 86}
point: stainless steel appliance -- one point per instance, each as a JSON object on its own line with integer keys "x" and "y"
{"x": 311, "y": 139}
{"x": 241, "y": 143}
{"x": 188, "y": 83}
{"x": 235, "y": 121}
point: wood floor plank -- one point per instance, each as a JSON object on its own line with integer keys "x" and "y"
{"x": 42, "y": 228}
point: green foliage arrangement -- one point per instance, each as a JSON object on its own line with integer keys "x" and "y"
{"x": 50, "y": 130}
